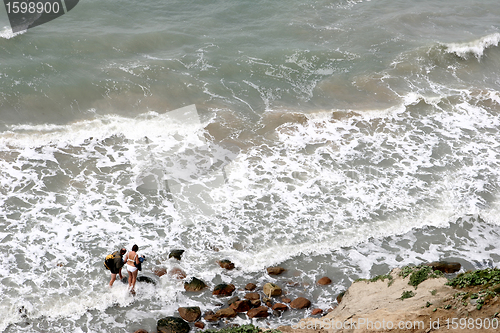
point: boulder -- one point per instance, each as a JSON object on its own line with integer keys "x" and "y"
{"x": 194, "y": 285}
{"x": 445, "y": 266}
{"x": 172, "y": 325}
{"x": 252, "y": 296}
{"x": 177, "y": 254}
{"x": 270, "y": 289}
{"x": 255, "y": 303}
{"x": 260, "y": 312}
{"x": 210, "y": 316}
{"x": 316, "y": 312}
{"x": 190, "y": 314}
{"x": 177, "y": 273}
{"x": 226, "y": 313}
{"x": 280, "y": 307}
{"x": 275, "y": 270}
{"x": 250, "y": 286}
{"x": 159, "y": 271}
{"x": 241, "y": 306}
{"x": 300, "y": 303}
{"x": 226, "y": 264}
{"x": 324, "y": 281}
{"x": 146, "y": 279}
{"x": 199, "y": 324}
{"x": 223, "y": 289}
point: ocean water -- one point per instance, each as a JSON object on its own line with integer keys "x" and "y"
{"x": 339, "y": 138}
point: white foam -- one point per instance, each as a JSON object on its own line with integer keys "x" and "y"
{"x": 7, "y": 33}
{"x": 475, "y": 48}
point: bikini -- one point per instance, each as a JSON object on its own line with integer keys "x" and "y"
{"x": 131, "y": 268}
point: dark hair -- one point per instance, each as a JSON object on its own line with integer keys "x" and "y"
{"x": 135, "y": 248}
{"x": 123, "y": 251}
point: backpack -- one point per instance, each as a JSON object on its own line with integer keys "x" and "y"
{"x": 109, "y": 261}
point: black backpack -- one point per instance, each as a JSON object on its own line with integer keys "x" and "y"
{"x": 110, "y": 258}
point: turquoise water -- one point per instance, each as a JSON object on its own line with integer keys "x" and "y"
{"x": 338, "y": 138}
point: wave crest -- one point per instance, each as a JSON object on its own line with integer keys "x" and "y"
{"x": 476, "y": 47}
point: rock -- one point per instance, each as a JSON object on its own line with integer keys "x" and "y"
{"x": 255, "y": 303}
{"x": 226, "y": 313}
{"x": 194, "y": 285}
{"x": 275, "y": 270}
{"x": 252, "y": 296}
{"x": 445, "y": 266}
{"x": 241, "y": 306}
{"x": 141, "y": 331}
{"x": 124, "y": 280}
{"x": 210, "y": 316}
{"x": 223, "y": 289}
{"x": 260, "y": 312}
{"x": 190, "y": 314}
{"x": 286, "y": 300}
{"x": 176, "y": 254}
{"x": 339, "y": 297}
{"x": 250, "y": 286}
{"x": 300, "y": 303}
{"x": 177, "y": 273}
{"x": 199, "y": 324}
{"x": 316, "y": 312}
{"x": 159, "y": 271}
{"x": 280, "y": 307}
{"x": 270, "y": 289}
{"x": 324, "y": 281}
{"x": 146, "y": 279}
{"x": 172, "y": 325}
{"x": 226, "y": 264}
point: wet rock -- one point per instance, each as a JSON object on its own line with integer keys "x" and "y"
{"x": 280, "y": 307}
{"x": 300, "y": 303}
{"x": 190, "y": 314}
{"x": 172, "y": 325}
{"x": 241, "y": 306}
{"x": 223, "y": 289}
{"x": 124, "y": 280}
{"x": 226, "y": 264}
{"x": 271, "y": 289}
{"x": 260, "y": 312}
{"x": 316, "y": 311}
{"x": 226, "y": 313}
{"x": 250, "y": 286}
{"x": 141, "y": 331}
{"x": 286, "y": 300}
{"x": 339, "y": 297}
{"x": 199, "y": 324}
{"x": 159, "y": 271}
{"x": 177, "y": 254}
{"x": 275, "y": 270}
{"x": 324, "y": 281}
{"x": 210, "y": 316}
{"x": 177, "y": 273}
{"x": 252, "y": 296}
{"x": 232, "y": 300}
{"x": 194, "y": 285}
{"x": 255, "y": 303}
{"x": 146, "y": 279}
{"x": 445, "y": 266}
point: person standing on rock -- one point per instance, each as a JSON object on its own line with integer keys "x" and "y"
{"x": 115, "y": 265}
{"x": 132, "y": 259}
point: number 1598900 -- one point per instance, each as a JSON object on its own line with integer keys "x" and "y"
{"x": 32, "y": 7}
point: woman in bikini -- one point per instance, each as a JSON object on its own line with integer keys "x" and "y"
{"x": 131, "y": 259}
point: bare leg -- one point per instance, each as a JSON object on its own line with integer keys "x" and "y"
{"x": 134, "y": 279}
{"x": 113, "y": 278}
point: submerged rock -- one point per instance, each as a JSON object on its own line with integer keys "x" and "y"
{"x": 177, "y": 273}
{"x": 223, "y": 289}
{"x": 260, "y": 312}
{"x": 190, "y": 314}
{"x": 172, "y": 325}
{"x": 146, "y": 279}
{"x": 324, "y": 281}
{"x": 194, "y": 285}
{"x": 250, "y": 286}
{"x": 159, "y": 271}
{"x": 275, "y": 270}
{"x": 226, "y": 264}
{"x": 176, "y": 254}
{"x": 300, "y": 303}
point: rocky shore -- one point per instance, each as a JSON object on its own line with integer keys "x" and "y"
{"x": 409, "y": 299}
